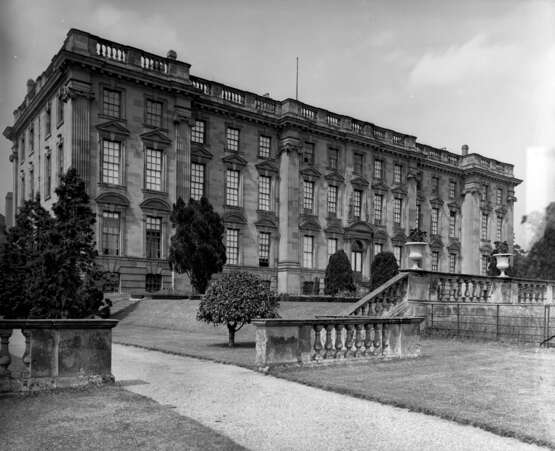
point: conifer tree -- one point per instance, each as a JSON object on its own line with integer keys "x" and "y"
{"x": 197, "y": 247}
{"x": 339, "y": 274}
{"x": 384, "y": 267}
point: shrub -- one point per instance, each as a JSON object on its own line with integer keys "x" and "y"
{"x": 236, "y": 299}
{"x": 339, "y": 274}
{"x": 384, "y": 267}
{"x": 197, "y": 247}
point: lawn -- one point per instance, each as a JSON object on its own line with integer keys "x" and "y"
{"x": 99, "y": 418}
{"x": 503, "y": 388}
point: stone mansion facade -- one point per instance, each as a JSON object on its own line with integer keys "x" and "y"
{"x": 293, "y": 182}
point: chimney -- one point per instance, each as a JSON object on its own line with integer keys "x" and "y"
{"x": 464, "y": 150}
{"x": 172, "y": 55}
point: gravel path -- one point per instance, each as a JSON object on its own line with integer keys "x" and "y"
{"x": 265, "y": 413}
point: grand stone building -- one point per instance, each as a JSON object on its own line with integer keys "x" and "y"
{"x": 293, "y": 182}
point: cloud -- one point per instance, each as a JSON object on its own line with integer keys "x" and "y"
{"x": 471, "y": 60}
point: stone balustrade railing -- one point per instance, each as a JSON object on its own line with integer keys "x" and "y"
{"x": 334, "y": 339}
{"x": 466, "y": 288}
{"x": 56, "y": 353}
{"x": 383, "y": 299}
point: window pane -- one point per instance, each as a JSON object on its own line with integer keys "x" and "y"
{"x": 452, "y": 263}
{"x": 435, "y": 219}
{"x": 356, "y": 261}
{"x": 153, "y": 282}
{"x": 111, "y": 155}
{"x": 435, "y": 261}
{"x": 357, "y": 163}
{"x": 452, "y": 189}
{"x": 397, "y": 210}
{"x": 263, "y": 249}
{"x": 378, "y": 166}
{"x": 110, "y": 233}
{"x": 357, "y": 203}
{"x": 499, "y": 230}
{"x": 333, "y": 155}
{"x": 308, "y": 251}
{"x": 154, "y": 169}
{"x": 378, "y": 207}
{"x": 332, "y": 200}
{"x": 112, "y": 103}
{"x": 232, "y": 246}
{"x": 452, "y": 224}
{"x": 232, "y": 188}
{"x": 377, "y": 248}
{"x": 154, "y": 113}
{"x": 153, "y": 236}
{"x": 197, "y": 132}
{"x": 398, "y": 253}
{"x": 308, "y": 195}
{"x": 264, "y": 146}
{"x": 232, "y": 139}
{"x": 397, "y": 174}
{"x": 264, "y": 193}
{"x": 197, "y": 181}
{"x": 332, "y": 246}
{"x": 484, "y": 227}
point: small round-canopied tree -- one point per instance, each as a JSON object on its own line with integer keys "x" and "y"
{"x": 197, "y": 247}
{"x": 235, "y": 299}
{"x": 384, "y": 267}
{"x": 339, "y": 274}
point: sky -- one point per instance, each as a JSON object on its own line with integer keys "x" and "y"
{"x": 479, "y": 72}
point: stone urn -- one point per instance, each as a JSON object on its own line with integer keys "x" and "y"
{"x": 502, "y": 263}
{"x": 415, "y": 253}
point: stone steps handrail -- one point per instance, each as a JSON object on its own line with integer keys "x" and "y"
{"x": 334, "y": 339}
{"x": 58, "y": 353}
{"x": 393, "y": 291}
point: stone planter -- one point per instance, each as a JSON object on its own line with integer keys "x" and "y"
{"x": 502, "y": 263}
{"x": 58, "y": 353}
{"x": 416, "y": 253}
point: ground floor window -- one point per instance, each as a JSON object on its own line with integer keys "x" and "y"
{"x": 484, "y": 260}
{"x": 398, "y": 252}
{"x": 153, "y": 282}
{"x": 232, "y": 246}
{"x": 452, "y": 262}
{"x": 110, "y": 282}
{"x": 435, "y": 261}
{"x": 263, "y": 249}
{"x": 308, "y": 251}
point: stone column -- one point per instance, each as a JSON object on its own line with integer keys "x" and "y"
{"x": 470, "y": 229}
{"x": 509, "y": 220}
{"x": 80, "y": 93}
{"x": 183, "y": 123}
{"x": 289, "y": 185}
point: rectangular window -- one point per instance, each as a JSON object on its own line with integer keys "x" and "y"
{"x": 308, "y": 196}
{"x": 111, "y": 157}
{"x": 485, "y": 189}
{"x": 197, "y": 132}
{"x": 153, "y": 236}
{"x": 484, "y": 227}
{"x": 308, "y": 251}
{"x": 356, "y": 261}
{"x": 435, "y": 185}
{"x": 48, "y": 119}
{"x": 333, "y": 157}
{"x": 452, "y": 263}
{"x": 398, "y": 253}
{"x": 397, "y": 174}
{"x": 378, "y": 169}
{"x": 232, "y": 139}
{"x": 60, "y": 160}
{"x": 264, "y": 144}
{"x": 197, "y": 180}
{"x": 153, "y": 172}
{"x": 452, "y": 189}
{"x": 48, "y": 176}
{"x": 264, "y": 193}
{"x": 31, "y": 139}
{"x": 435, "y": 221}
{"x": 499, "y": 229}
{"x": 110, "y": 233}
{"x": 232, "y": 246}
{"x": 111, "y": 102}
{"x": 452, "y": 223}
{"x": 153, "y": 282}
{"x": 308, "y": 153}
{"x": 397, "y": 210}
{"x": 232, "y": 188}
{"x": 32, "y": 183}
{"x": 332, "y": 200}
{"x": 499, "y": 196}
{"x": 435, "y": 261}
{"x": 153, "y": 113}
{"x": 263, "y": 249}
{"x": 378, "y": 248}
{"x": 484, "y": 260}
{"x": 378, "y": 208}
{"x": 332, "y": 246}
{"x": 357, "y": 163}
{"x": 357, "y": 203}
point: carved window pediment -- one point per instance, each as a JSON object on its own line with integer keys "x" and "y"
{"x": 359, "y": 182}
{"x": 501, "y": 211}
{"x": 454, "y": 206}
{"x": 360, "y": 231}
{"x": 234, "y": 216}
{"x": 110, "y": 198}
{"x": 400, "y": 190}
{"x": 380, "y": 235}
{"x": 334, "y": 226}
{"x": 234, "y": 161}
{"x": 486, "y": 248}
{"x": 310, "y": 173}
{"x": 436, "y": 202}
{"x": 379, "y": 186}
{"x": 436, "y": 244}
{"x": 454, "y": 246}
{"x": 112, "y": 129}
{"x": 399, "y": 238}
{"x": 156, "y": 138}
{"x": 155, "y": 204}
{"x": 309, "y": 222}
{"x": 266, "y": 167}
{"x": 334, "y": 177}
{"x": 200, "y": 155}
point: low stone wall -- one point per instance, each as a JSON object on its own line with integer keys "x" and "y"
{"x": 335, "y": 339}
{"x": 58, "y": 353}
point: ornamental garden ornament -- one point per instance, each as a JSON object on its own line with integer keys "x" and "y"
{"x": 416, "y": 244}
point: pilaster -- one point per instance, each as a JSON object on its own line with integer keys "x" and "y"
{"x": 470, "y": 229}
{"x": 183, "y": 123}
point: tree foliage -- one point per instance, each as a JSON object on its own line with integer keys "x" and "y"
{"x": 540, "y": 261}
{"x": 384, "y": 267}
{"x": 48, "y": 263}
{"x": 235, "y": 299}
{"x": 339, "y": 274}
{"x": 197, "y": 247}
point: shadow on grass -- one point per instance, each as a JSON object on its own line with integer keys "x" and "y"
{"x": 240, "y": 345}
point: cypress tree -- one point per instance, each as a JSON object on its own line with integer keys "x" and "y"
{"x": 339, "y": 274}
